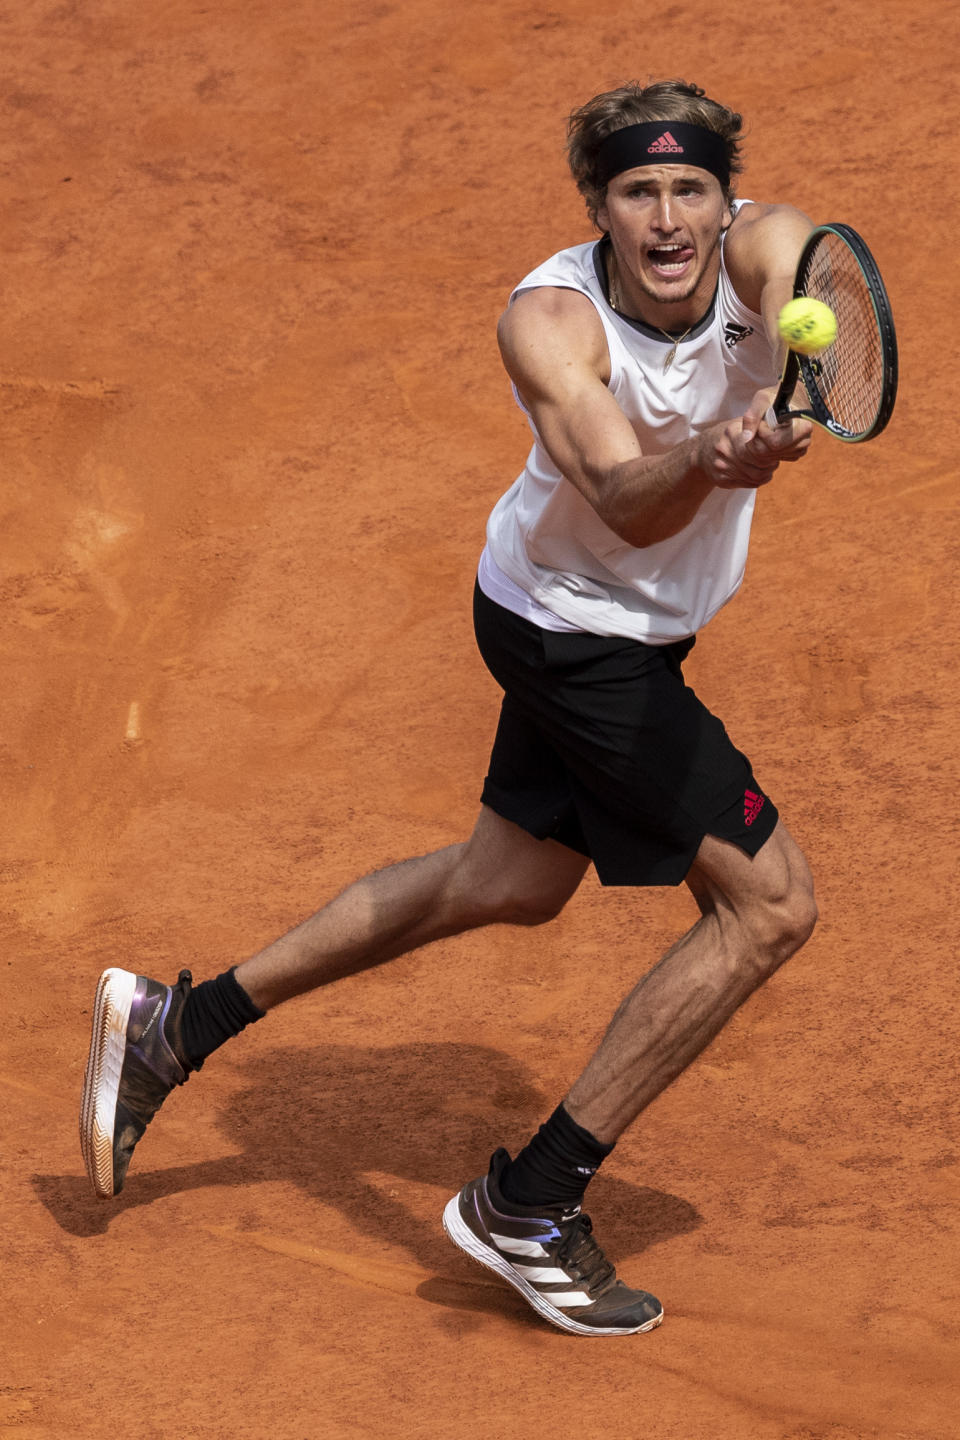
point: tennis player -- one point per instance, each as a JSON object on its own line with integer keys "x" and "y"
{"x": 645, "y": 361}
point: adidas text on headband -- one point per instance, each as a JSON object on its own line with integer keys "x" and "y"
{"x": 661, "y": 142}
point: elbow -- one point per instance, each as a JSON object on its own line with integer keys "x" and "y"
{"x": 643, "y": 538}
{"x": 640, "y": 533}
{"x": 624, "y": 521}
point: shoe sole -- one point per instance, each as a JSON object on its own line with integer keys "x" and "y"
{"x": 464, "y": 1238}
{"x": 101, "y": 1081}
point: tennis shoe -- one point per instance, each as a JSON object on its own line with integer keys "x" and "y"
{"x": 550, "y": 1256}
{"x": 135, "y": 1061}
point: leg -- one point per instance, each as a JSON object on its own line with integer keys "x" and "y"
{"x": 138, "y": 1049}
{"x": 500, "y": 875}
{"x": 755, "y": 913}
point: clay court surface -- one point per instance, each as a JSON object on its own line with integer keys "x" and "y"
{"x": 253, "y": 422}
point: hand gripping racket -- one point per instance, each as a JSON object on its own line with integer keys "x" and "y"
{"x": 852, "y": 384}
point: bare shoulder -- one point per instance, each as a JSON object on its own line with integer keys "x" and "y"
{"x": 548, "y": 331}
{"x": 764, "y": 243}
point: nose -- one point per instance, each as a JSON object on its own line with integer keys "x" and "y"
{"x": 664, "y": 220}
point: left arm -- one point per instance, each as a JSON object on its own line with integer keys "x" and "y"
{"x": 762, "y": 251}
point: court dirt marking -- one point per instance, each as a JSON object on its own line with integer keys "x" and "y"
{"x": 392, "y": 1275}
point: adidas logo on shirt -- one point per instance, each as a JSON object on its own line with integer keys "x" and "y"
{"x": 733, "y": 334}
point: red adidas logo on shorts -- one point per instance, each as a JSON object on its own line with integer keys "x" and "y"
{"x": 752, "y": 805}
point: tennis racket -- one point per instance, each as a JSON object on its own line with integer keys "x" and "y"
{"x": 851, "y": 385}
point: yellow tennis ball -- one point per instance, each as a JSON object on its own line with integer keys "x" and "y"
{"x": 807, "y": 325}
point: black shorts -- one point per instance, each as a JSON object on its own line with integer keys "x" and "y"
{"x": 602, "y": 746}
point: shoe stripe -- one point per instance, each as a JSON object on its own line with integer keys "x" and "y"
{"x": 512, "y": 1245}
{"x": 542, "y": 1275}
{"x": 568, "y": 1299}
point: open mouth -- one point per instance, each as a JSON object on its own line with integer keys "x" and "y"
{"x": 670, "y": 260}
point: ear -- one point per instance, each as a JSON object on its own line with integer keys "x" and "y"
{"x": 603, "y": 219}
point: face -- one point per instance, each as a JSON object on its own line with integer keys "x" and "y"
{"x": 665, "y": 223}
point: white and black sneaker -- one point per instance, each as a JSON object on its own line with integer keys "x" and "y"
{"x": 550, "y": 1256}
{"x": 135, "y": 1061}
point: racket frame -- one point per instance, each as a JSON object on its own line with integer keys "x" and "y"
{"x": 803, "y": 367}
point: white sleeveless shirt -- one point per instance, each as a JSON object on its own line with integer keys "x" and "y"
{"x": 547, "y": 540}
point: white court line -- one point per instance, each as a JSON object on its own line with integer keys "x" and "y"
{"x": 132, "y": 732}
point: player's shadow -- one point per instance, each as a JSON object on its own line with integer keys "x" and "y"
{"x": 340, "y": 1121}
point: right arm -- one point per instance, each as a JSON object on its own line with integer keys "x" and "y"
{"x": 555, "y": 351}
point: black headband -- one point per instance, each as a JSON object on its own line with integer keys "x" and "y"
{"x": 662, "y": 142}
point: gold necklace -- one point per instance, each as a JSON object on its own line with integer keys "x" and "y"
{"x": 616, "y": 303}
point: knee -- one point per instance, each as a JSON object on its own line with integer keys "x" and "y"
{"x": 796, "y": 921}
{"x": 504, "y": 899}
{"x": 506, "y": 904}
{"x": 770, "y": 919}
{"x": 780, "y": 925}
{"x": 503, "y": 876}
{"x": 531, "y": 909}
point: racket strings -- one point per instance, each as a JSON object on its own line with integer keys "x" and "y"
{"x": 849, "y": 374}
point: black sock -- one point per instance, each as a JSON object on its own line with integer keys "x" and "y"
{"x": 214, "y": 1012}
{"x": 557, "y": 1165}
